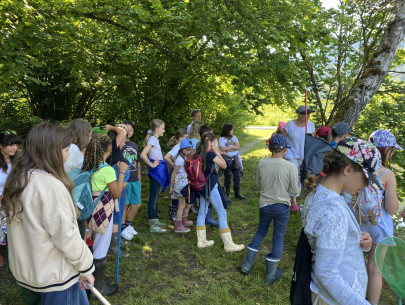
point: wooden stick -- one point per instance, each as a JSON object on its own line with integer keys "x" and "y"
{"x": 97, "y": 294}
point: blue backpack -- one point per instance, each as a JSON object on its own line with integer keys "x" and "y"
{"x": 82, "y": 193}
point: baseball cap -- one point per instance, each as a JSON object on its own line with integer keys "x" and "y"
{"x": 279, "y": 140}
{"x": 186, "y": 143}
{"x": 301, "y": 110}
{"x": 384, "y": 138}
{"x": 323, "y": 131}
{"x": 341, "y": 128}
{"x": 281, "y": 125}
{"x": 365, "y": 154}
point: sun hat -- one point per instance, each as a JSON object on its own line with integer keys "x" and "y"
{"x": 279, "y": 140}
{"x": 301, "y": 110}
{"x": 384, "y": 138}
{"x": 341, "y": 128}
{"x": 186, "y": 143}
{"x": 281, "y": 125}
{"x": 323, "y": 131}
{"x": 365, "y": 154}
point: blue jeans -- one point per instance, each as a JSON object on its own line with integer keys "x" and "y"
{"x": 122, "y": 201}
{"x": 279, "y": 213}
{"x": 216, "y": 202}
{"x": 71, "y": 296}
{"x": 154, "y": 188}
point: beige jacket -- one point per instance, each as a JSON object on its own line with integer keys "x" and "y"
{"x": 46, "y": 252}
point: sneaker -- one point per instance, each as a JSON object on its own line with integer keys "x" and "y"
{"x": 127, "y": 234}
{"x": 132, "y": 230}
{"x": 156, "y": 229}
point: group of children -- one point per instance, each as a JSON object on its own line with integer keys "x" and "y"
{"x": 47, "y": 209}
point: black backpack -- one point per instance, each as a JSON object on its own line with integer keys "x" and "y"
{"x": 300, "y": 293}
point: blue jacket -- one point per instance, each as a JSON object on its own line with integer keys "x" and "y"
{"x": 160, "y": 173}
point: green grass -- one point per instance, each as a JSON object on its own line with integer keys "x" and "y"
{"x": 178, "y": 272}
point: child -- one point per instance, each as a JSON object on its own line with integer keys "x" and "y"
{"x": 275, "y": 177}
{"x": 339, "y": 274}
{"x": 9, "y": 142}
{"x": 52, "y": 258}
{"x": 211, "y": 155}
{"x": 229, "y": 144}
{"x": 130, "y": 153}
{"x": 196, "y": 116}
{"x": 97, "y": 152}
{"x": 195, "y": 133}
{"x": 180, "y": 188}
{"x": 157, "y": 172}
{"x": 386, "y": 143}
{"x": 81, "y": 132}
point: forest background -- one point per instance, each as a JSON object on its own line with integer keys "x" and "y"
{"x": 244, "y": 62}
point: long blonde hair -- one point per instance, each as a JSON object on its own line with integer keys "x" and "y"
{"x": 195, "y": 130}
{"x": 42, "y": 151}
{"x": 179, "y": 134}
{"x": 156, "y": 123}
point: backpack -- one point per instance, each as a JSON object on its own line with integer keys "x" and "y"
{"x": 195, "y": 173}
{"x": 366, "y": 206}
{"x": 82, "y": 193}
{"x": 300, "y": 292}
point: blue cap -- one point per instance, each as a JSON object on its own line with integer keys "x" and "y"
{"x": 279, "y": 140}
{"x": 384, "y": 138}
{"x": 186, "y": 143}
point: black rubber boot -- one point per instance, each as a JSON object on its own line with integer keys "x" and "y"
{"x": 227, "y": 192}
{"x": 113, "y": 249}
{"x": 237, "y": 193}
{"x": 99, "y": 278}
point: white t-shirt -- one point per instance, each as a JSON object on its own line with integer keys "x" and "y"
{"x": 228, "y": 143}
{"x": 180, "y": 162}
{"x": 3, "y": 177}
{"x": 155, "y": 152}
{"x": 75, "y": 159}
{"x": 296, "y": 139}
{"x": 175, "y": 151}
{"x": 189, "y": 127}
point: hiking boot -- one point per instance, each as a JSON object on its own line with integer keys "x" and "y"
{"x": 178, "y": 226}
{"x": 237, "y": 193}
{"x": 227, "y": 192}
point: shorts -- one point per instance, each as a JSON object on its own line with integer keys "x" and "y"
{"x": 188, "y": 194}
{"x": 134, "y": 193}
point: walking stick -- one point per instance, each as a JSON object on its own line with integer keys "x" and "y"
{"x": 119, "y": 235}
{"x": 306, "y": 114}
{"x": 97, "y": 294}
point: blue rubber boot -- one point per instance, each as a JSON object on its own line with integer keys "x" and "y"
{"x": 246, "y": 264}
{"x": 209, "y": 220}
{"x": 273, "y": 272}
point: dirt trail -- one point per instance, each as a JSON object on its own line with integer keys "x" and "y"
{"x": 248, "y": 146}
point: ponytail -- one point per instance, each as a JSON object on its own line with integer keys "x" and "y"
{"x": 204, "y": 142}
{"x": 179, "y": 134}
{"x": 155, "y": 123}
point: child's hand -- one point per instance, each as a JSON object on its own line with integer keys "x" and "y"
{"x": 171, "y": 190}
{"x": 155, "y": 163}
{"x": 107, "y": 127}
{"x": 365, "y": 241}
{"x": 295, "y": 208}
{"x": 122, "y": 167}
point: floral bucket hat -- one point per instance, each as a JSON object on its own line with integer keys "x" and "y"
{"x": 365, "y": 154}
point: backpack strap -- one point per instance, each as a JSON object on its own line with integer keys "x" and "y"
{"x": 383, "y": 173}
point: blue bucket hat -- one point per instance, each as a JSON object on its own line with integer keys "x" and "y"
{"x": 186, "y": 143}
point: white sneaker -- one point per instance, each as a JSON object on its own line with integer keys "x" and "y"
{"x": 127, "y": 234}
{"x": 132, "y": 230}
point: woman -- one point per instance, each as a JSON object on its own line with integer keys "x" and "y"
{"x": 9, "y": 141}
{"x": 37, "y": 199}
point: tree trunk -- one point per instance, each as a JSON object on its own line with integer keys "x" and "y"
{"x": 376, "y": 70}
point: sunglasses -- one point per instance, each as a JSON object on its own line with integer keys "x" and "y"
{"x": 9, "y": 132}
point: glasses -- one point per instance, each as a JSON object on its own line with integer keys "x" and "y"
{"x": 9, "y": 132}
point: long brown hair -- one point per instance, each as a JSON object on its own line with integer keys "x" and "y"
{"x": 203, "y": 147}
{"x": 179, "y": 134}
{"x": 8, "y": 138}
{"x": 80, "y": 130}
{"x": 42, "y": 151}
